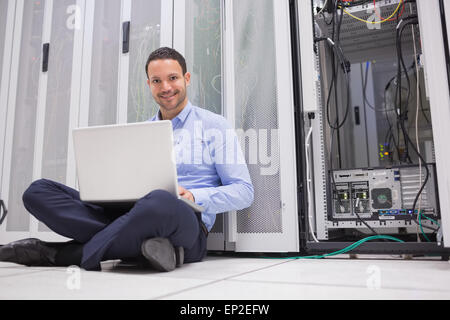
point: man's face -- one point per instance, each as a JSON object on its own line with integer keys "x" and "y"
{"x": 168, "y": 85}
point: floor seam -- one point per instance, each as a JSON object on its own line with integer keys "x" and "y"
{"x": 334, "y": 285}
{"x": 24, "y": 273}
{"x": 216, "y": 281}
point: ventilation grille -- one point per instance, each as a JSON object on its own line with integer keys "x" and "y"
{"x": 257, "y": 111}
{"x": 411, "y": 182}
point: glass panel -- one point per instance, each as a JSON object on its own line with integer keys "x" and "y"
{"x": 58, "y": 92}
{"x": 3, "y": 12}
{"x": 105, "y": 63}
{"x": 256, "y": 112}
{"x": 204, "y": 53}
{"x": 144, "y": 38}
{"x": 21, "y": 173}
{"x": 57, "y": 112}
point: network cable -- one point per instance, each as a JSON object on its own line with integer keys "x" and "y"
{"x": 412, "y": 20}
{"x": 376, "y": 22}
{"x": 308, "y": 183}
{"x": 344, "y": 250}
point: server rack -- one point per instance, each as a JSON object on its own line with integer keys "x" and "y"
{"x": 332, "y": 182}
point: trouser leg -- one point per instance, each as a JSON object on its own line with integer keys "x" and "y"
{"x": 158, "y": 214}
{"x": 198, "y": 251}
{"x": 61, "y": 209}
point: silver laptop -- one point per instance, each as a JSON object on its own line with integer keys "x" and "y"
{"x": 122, "y": 163}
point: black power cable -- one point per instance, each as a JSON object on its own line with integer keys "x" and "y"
{"x": 337, "y": 54}
{"x": 409, "y": 21}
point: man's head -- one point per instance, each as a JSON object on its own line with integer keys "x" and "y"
{"x": 166, "y": 53}
{"x": 167, "y": 79}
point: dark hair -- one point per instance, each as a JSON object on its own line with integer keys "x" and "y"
{"x": 166, "y": 53}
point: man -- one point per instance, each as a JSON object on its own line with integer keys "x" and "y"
{"x": 158, "y": 229}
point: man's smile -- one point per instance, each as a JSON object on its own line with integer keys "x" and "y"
{"x": 168, "y": 96}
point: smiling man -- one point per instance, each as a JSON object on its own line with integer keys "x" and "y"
{"x": 211, "y": 168}
{"x": 159, "y": 230}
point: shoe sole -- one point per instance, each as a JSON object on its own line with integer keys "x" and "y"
{"x": 160, "y": 253}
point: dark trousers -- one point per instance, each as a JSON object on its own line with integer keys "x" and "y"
{"x": 114, "y": 232}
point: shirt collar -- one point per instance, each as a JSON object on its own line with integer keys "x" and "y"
{"x": 185, "y": 112}
{"x": 181, "y": 116}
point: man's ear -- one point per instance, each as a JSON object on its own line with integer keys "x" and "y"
{"x": 187, "y": 78}
{"x": 148, "y": 82}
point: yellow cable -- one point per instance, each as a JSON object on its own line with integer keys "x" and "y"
{"x": 375, "y": 22}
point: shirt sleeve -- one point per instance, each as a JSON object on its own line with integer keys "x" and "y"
{"x": 236, "y": 191}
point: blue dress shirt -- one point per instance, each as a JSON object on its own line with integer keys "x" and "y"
{"x": 210, "y": 163}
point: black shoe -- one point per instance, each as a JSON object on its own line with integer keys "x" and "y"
{"x": 29, "y": 252}
{"x": 161, "y": 254}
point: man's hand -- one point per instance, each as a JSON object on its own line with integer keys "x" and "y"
{"x": 185, "y": 193}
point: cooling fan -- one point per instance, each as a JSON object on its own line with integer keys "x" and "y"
{"x": 381, "y": 198}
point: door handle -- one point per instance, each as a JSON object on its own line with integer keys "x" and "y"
{"x": 126, "y": 37}
{"x": 45, "y": 54}
{"x": 357, "y": 116}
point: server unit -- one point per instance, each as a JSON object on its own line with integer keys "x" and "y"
{"x": 383, "y": 194}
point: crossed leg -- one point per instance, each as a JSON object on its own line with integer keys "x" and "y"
{"x": 108, "y": 236}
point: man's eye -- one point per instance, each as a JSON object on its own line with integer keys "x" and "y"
{"x": 173, "y": 78}
{"x": 156, "y": 81}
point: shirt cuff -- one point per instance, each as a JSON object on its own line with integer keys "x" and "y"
{"x": 201, "y": 197}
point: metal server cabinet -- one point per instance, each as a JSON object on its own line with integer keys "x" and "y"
{"x": 362, "y": 112}
{"x": 237, "y": 51}
{"x": 258, "y": 100}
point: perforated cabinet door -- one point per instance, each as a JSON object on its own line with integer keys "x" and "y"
{"x": 264, "y": 121}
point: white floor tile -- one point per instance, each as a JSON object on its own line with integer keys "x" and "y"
{"x": 63, "y": 283}
{"x": 387, "y": 274}
{"x": 12, "y": 269}
{"x": 236, "y": 278}
{"x": 218, "y": 268}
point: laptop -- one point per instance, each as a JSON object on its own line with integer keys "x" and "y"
{"x": 123, "y": 163}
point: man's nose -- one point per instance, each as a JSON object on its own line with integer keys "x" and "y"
{"x": 165, "y": 86}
